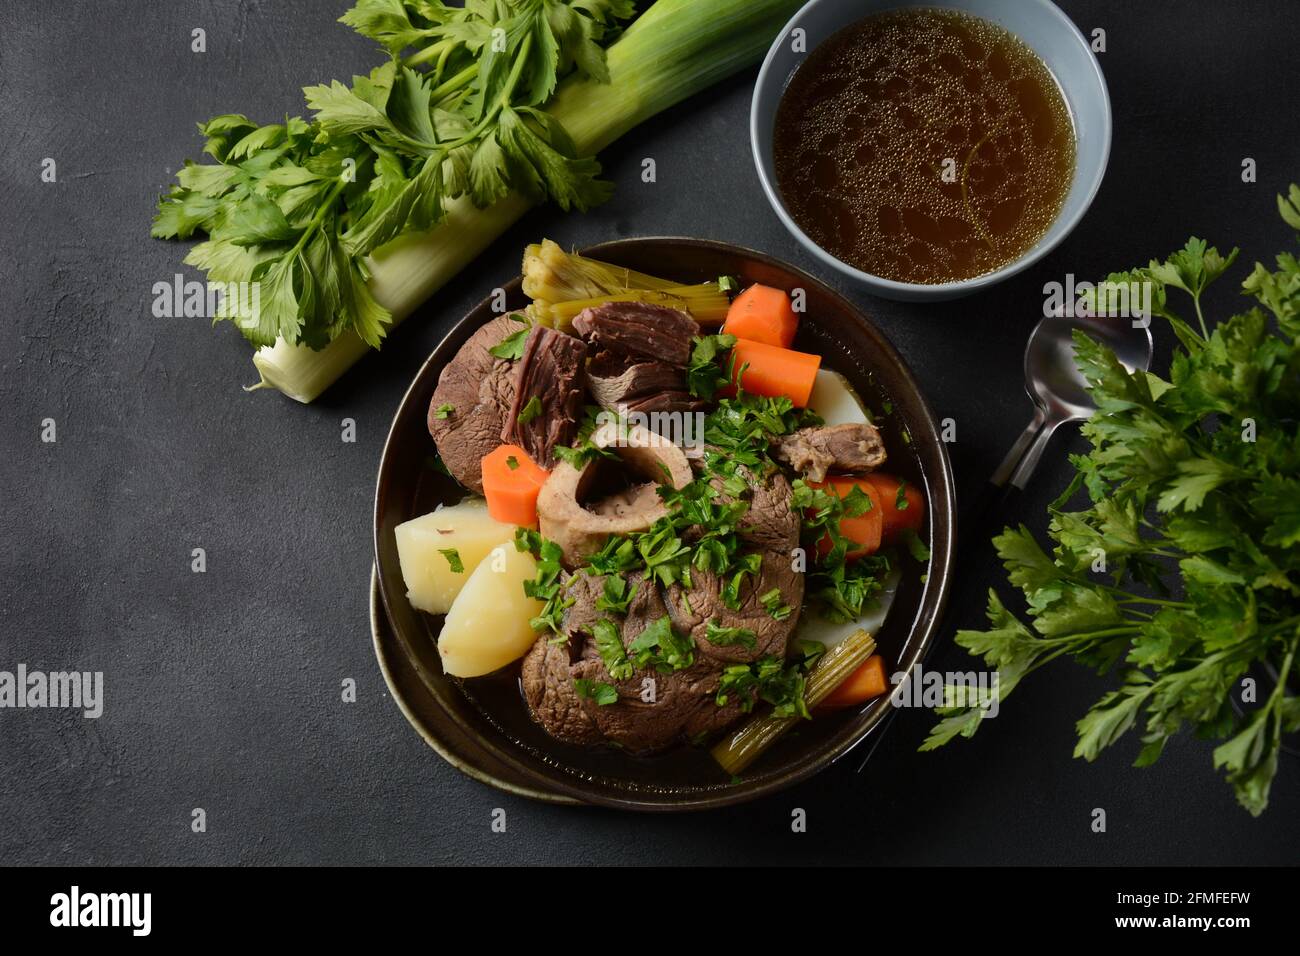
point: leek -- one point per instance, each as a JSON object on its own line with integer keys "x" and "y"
{"x": 553, "y": 275}
{"x": 705, "y": 302}
{"x": 676, "y": 48}
{"x": 748, "y": 743}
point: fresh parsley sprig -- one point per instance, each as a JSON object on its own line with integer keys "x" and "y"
{"x": 1182, "y": 569}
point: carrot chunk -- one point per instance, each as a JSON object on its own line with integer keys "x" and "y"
{"x": 511, "y": 483}
{"x": 864, "y": 684}
{"x": 903, "y": 505}
{"x": 866, "y": 529}
{"x": 772, "y": 371}
{"x": 762, "y": 314}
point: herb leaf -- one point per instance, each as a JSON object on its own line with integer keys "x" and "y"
{"x": 720, "y": 636}
{"x": 602, "y": 693}
{"x": 511, "y": 347}
{"x": 1181, "y": 569}
{"x": 532, "y": 408}
{"x": 297, "y": 206}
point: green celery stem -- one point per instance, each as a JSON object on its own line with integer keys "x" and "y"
{"x": 673, "y": 50}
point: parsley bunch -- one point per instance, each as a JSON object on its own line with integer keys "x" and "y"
{"x": 297, "y": 206}
{"x": 1182, "y": 570}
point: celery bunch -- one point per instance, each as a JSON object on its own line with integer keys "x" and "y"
{"x": 350, "y": 220}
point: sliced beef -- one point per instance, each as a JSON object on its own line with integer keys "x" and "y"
{"x": 656, "y": 710}
{"x": 853, "y": 447}
{"x": 547, "y": 678}
{"x": 640, "y": 387}
{"x": 693, "y": 608}
{"x": 552, "y": 370}
{"x": 474, "y": 394}
{"x": 653, "y": 710}
{"x": 641, "y": 354}
{"x": 638, "y": 329}
{"x": 770, "y": 524}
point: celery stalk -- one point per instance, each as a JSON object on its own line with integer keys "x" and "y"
{"x": 674, "y": 49}
{"x": 747, "y": 744}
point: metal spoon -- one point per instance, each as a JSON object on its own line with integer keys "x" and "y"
{"x": 1058, "y": 389}
{"x": 1060, "y": 395}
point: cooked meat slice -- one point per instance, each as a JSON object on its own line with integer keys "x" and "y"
{"x": 854, "y": 447}
{"x": 708, "y": 717}
{"x": 693, "y": 608}
{"x": 580, "y": 527}
{"x": 653, "y": 710}
{"x": 552, "y": 371}
{"x": 771, "y": 523}
{"x": 469, "y": 406}
{"x": 640, "y": 330}
{"x": 584, "y": 589}
{"x": 640, "y": 387}
{"x": 547, "y": 678}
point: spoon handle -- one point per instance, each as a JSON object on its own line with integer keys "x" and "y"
{"x": 982, "y": 517}
{"x": 1029, "y": 439}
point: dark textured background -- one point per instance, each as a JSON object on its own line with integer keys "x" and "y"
{"x": 223, "y": 688}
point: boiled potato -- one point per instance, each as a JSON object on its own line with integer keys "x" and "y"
{"x": 431, "y": 584}
{"x": 487, "y": 626}
{"x": 834, "y": 399}
{"x": 814, "y": 627}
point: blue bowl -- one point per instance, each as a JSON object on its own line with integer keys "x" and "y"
{"x": 1041, "y": 25}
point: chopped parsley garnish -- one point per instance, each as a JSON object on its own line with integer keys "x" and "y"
{"x": 444, "y": 411}
{"x": 774, "y": 606}
{"x": 546, "y": 585}
{"x": 512, "y": 462}
{"x": 609, "y": 645}
{"x": 705, "y": 374}
{"x": 857, "y": 503}
{"x": 584, "y": 449}
{"x": 453, "y": 560}
{"x": 616, "y": 595}
{"x": 602, "y": 693}
{"x": 511, "y": 347}
{"x": 768, "y": 679}
{"x": 662, "y": 648}
{"x": 841, "y": 588}
{"x": 532, "y": 408}
{"x": 744, "y": 567}
{"x": 720, "y": 636}
{"x": 915, "y": 546}
{"x": 900, "y": 499}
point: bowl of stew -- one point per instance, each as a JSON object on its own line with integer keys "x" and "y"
{"x": 930, "y": 151}
{"x": 483, "y": 725}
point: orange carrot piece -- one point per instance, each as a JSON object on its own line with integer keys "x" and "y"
{"x": 864, "y": 684}
{"x": 866, "y": 529}
{"x": 897, "y": 520}
{"x": 762, "y": 314}
{"x": 771, "y": 371}
{"x": 511, "y": 483}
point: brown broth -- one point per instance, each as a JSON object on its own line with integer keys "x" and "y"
{"x": 876, "y": 116}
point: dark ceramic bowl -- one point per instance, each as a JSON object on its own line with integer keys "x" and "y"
{"x": 482, "y": 725}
